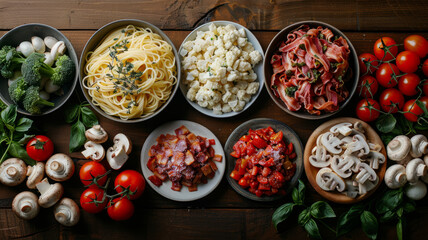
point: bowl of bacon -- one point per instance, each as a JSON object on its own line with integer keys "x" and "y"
{"x": 311, "y": 70}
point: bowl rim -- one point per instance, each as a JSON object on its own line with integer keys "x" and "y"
{"x": 300, "y": 114}
{"x": 117, "y": 24}
{"x": 70, "y": 50}
{"x": 209, "y": 112}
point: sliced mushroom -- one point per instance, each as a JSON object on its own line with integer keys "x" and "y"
{"x": 341, "y": 128}
{"x": 118, "y": 154}
{"x": 93, "y": 151}
{"x": 96, "y": 134}
{"x": 415, "y": 168}
{"x": 67, "y": 212}
{"x": 395, "y": 176}
{"x": 58, "y": 49}
{"x": 375, "y": 147}
{"x": 375, "y": 159}
{"x": 365, "y": 173}
{"x": 419, "y": 146}
{"x": 122, "y": 141}
{"x": 50, "y": 193}
{"x": 345, "y": 141}
{"x": 331, "y": 143}
{"x": 342, "y": 167}
{"x": 35, "y": 174}
{"x": 398, "y": 148}
{"x": 367, "y": 186}
{"x": 351, "y": 189}
{"x": 59, "y": 167}
{"x": 13, "y": 172}
{"x": 319, "y": 157}
{"x": 354, "y": 159}
{"x": 25, "y": 205}
{"x": 329, "y": 181}
{"x": 359, "y": 145}
{"x": 359, "y": 127}
{"x": 416, "y": 191}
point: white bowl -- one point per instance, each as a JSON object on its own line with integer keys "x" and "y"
{"x": 258, "y": 69}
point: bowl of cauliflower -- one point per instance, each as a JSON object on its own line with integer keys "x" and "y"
{"x": 222, "y": 67}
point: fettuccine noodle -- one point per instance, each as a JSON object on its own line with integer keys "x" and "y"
{"x": 131, "y": 73}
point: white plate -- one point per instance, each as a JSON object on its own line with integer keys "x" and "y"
{"x": 165, "y": 189}
{"x": 258, "y": 69}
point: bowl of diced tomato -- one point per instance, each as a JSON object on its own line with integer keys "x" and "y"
{"x": 264, "y": 159}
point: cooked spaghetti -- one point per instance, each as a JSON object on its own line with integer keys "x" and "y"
{"x": 131, "y": 73}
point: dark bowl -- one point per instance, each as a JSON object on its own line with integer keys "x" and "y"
{"x": 351, "y": 84}
{"x": 24, "y": 33}
{"x": 254, "y": 124}
{"x": 95, "y": 41}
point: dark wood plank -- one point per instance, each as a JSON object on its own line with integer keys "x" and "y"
{"x": 186, "y": 14}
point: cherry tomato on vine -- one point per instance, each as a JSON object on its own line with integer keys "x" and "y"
{"x": 385, "y": 75}
{"x": 425, "y": 88}
{"x": 391, "y": 100}
{"x": 425, "y": 68}
{"x": 408, "y": 62}
{"x": 367, "y": 57}
{"x": 92, "y": 171}
{"x": 413, "y": 111}
{"x": 40, "y": 148}
{"x": 368, "y": 110}
{"x": 133, "y": 179}
{"x": 408, "y": 84}
{"x": 89, "y": 196}
{"x": 120, "y": 209}
{"x": 379, "y": 49}
{"x": 424, "y": 100}
{"x": 416, "y": 44}
{"x": 367, "y": 87}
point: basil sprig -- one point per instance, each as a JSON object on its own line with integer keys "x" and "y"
{"x": 83, "y": 118}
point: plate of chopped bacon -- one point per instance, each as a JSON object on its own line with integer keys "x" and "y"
{"x": 182, "y": 160}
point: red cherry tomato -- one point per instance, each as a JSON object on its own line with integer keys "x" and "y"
{"x": 416, "y": 44}
{"x": 391, "y": 100}
{"x": 132, "y": 179}
{"x": 425, "y": 88}
{"x": 89, "y": 196}
{"x": 424, "y": 100}
{"x": 379, "y": 49}
{"x": 408, "y": 84}
{"x": 367, "y": 87}
{"x": 425, "y": 68}
{"x": 120, "y": 209}
{"x": 367, "y": 58}
{"x": 413, "y": 111}
{"x": 385, "y": 73}
{"x": 40, "y": 148}
{"x": 91, "y": 172}
{"x": 365, "y": 111}
{"x": 408, "y": 62}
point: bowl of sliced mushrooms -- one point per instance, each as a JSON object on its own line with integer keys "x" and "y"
{"x": 345, "y": 160}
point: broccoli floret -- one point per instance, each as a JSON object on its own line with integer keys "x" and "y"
{"x": 63, "y": 71}
{"x": 32, "y": 101}
{"x": 10, "y": 60}
{"x": 17, "y": 89}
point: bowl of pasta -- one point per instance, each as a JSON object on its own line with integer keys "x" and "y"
{"x": 129, "y": 70}
{"x": 311, "y": 70}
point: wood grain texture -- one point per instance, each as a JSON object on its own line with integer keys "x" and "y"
{"x": 355, "y": 15}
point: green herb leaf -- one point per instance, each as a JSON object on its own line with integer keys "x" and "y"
{"x": 409, "y": 206}
{"x": 290, "y": 91}
{"x": 282, "y": 213}
{"x": 298, "y": 193}
{"x": 349, "y": 220}
{"x": 25, "y": 139}
{"x": 89, "y": 119}
{"x": 369, "y": 224}
{"x": 24, "y": 124}
{"x": 8, "y": 115}
{"x": 77, "y": 137}
{"x": 311, "y": 228}
{"x": 422, "y": 106}
{"x": 386, "y": 123}
{"x": 321, "y": 209}
{"x": 304, "y": 217}
{"x": 18, "y": 151}
{"x": 72, "y": 113}
{"x": 389, "y": 201}
{"x": 301, "y": 64}
{"x": 388, "y": 216}
{"x": 400, "y": 229}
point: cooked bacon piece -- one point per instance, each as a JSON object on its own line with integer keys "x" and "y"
{"x": 207, "y": 170}
{"x": 181, "y": 131}
{"x": 218, "y": 158}
{"x": 193, "y": 188}
{"x": 212, "y": 165}
{"x": 189, "y": 159}
{"x": 155, "y": 180}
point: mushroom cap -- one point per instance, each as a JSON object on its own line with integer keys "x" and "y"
{"x": 51, "y": 195}
{"x": 59, "y": 167}
{"x": 342, "y": 166}
{"x": 419, "y": 146}
{"x": 13, "y": 172}
{"x": 121, "y": 140}
{"x": 93, "y": 151}
{"x": 96, "y": 134}
{"x": 25, "y": 205}
{"x": 395, "y": 176}
{"x": 329, "y": 181}
{"x": 67, "y": 212}
{"x": 415, "y": 168}
{"x": 398, "y": 148}
{"x": 319, "y": 157}
{"x": 35, "y": 174}
{"x": 416, "y": 191}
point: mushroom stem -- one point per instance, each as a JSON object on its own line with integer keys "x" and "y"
{"x": 11, "y": 172}
{"x": 43, "y": 186}
{"x": 400, "y": 177}
{"x": 57, "y": 166}
{"x": 26, "y": 206}
{"x": 63, "y": 214}
{"x": 421, "y": 170}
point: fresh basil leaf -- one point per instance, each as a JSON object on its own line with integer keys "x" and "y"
{"x": 311, "y": 228}
{"x": 8, "y": 116}
{"x": 409, "y": 206}
{"x": 25, "y": 139}
{"x": 89, "y": 119}
{"x": 422, "y": 106}
{"x": 349, "y": 220}
{"x": 400, "y": 229}
{"x": 389, "y": 201}
{"x": 421, "y": 126}
{"x": 321, "y": 209}
{"x": 298, "y": 193}
{"x": 369, "y": 224}
{"x": 16, "y": 150}
{"x": 24, "y": 124}
{"x": 282, "y": 213}
{"x": 77, "y": 136}
{"x": 388, "y": 216}
{"x": 72, "y": 113}
{"x": 304, "y": 217}
{"x": 386, "y": 123}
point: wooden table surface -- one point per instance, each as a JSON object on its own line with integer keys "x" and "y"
{"x": 223, "y": 214}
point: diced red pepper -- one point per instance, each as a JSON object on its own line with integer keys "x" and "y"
{"x": 276, "y": 138}
{"x": 264, "y": 186}
{"x": 242, "y": 168}
{"x": 250, "y": 149}
{"x": 254, "y": 185}
{"x": 155, "y": 180}
{"x": 258, "y": 142}
{"x": 245, "y": 138}
{"x": 292, "y": 156}
{"x": 258, "y": 193}
{"x": 266, "y": 171}
{"x": 244, "y": 183}
{"x": 254, "y": 170}
{"x": 262, "y": 180}
{"x": 235, "y": 175}
{"x": 235, "y": 154}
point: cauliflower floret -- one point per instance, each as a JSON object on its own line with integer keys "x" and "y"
{"x": 230, "y": 58}
{"x": 244, "y": 66}
{"x": 202, "y": 65}
{"x": 241, "y": 33}
{"x": 249, "y": 77}
{"x": 234, "y": 90}
{"x": 233, "y": 76}
{"x": 242, "y": 41}
{"x": 222, "y": 73}
{"x": 183, "y": 52}
{"x": 255, "y": 57}
{"x": 236, "y": 64}
{"x": 236, "y": 51}
{"x": 188, "y": 45}
{"x": 242, "y": 85}
{"x": 217, "y": 109}
{"x": 213, "y": 28}
{"x": 226, "y": 97}
{"x": 248, "y": 47}
{"x": 245, "y": 56}
{"x": 239, "y": 106}
{"x": 227, "y": 45}
{"x": 209, "y": 52}
{"x": 220, "y": 52}
{"x": 191, "y": 94}
{"x": 240, "y": 94}
{"x": 203, "y": 104}
{"x": 253, "y": 88}
{"x": 226, "y": 108}
{"x": 189, "y": 77}
{"x": 233, "y": 103}
{"x": 194, "y": 84}
{"x": 218, "y": 43}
